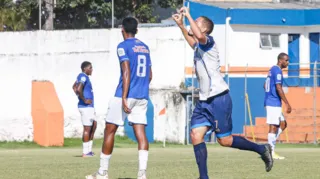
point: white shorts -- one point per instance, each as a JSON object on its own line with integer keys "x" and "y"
{"x": 138, "y": 115}
{"x": 274, "y": 115}
{"x": 87, "y": 116}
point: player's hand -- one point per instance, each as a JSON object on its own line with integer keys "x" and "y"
{"x": 185, "y": 11}
{"x": 88, "y": 101}
{"x": 178, "y": 19}
{"x": 125, "y": 107}
{"x": 288, "y": 108}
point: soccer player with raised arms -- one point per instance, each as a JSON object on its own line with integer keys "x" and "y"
{"x": 83, "y": 88}
{"x": 131, "y": 98}
{"x": 214, "y": 109}
{"x": 272, "y": 102}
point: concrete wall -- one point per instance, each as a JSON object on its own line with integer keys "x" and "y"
{"x": 56, "y": 56}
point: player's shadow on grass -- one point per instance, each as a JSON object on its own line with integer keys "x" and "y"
{"x": 126, "y": 178}
{"x": 77, "y": 156}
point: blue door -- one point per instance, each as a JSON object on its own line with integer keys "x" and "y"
{"x": 314, "y": 55}
{"x": 294, "y": 68}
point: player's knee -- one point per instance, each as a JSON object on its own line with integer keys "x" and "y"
{"x": 273, "y": 129}
{"x": 86, "y": 131}
{"x": 196, "y": 136}
{"x": 110, "y": 131}
{"x": 283, "y": 125}
{"x": 225, "y": 141}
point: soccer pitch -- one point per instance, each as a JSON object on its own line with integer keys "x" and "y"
{"x": 172, "y": 162}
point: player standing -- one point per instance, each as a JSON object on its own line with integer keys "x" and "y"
{"x": 214, "y": 109}
{"x": 131, "y": 98}
{"x": 272, "y": 102}
{"x": 83, "y": 88}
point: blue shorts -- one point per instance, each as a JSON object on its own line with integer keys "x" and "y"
{"x": 215, "y": 113}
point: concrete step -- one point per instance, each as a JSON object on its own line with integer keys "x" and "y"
{"x": 291, "y": 120}
{"x": 292, "y": 138}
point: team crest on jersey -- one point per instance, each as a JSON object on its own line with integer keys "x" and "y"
{"x": 279, "y": 77}
{"x": 83, "y": 79}
{"x": 121, "y": 52}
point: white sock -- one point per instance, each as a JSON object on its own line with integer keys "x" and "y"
{"x": 90, "y": 145}
{"x": 85, "y": 149}
{"x": 143, "y": 159}
{"x": 272, "y": 140}
{"x": 278, "y": 133}
{"x": 104, "y": 163}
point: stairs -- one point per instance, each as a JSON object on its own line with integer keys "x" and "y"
{"x": 300, "y": 121}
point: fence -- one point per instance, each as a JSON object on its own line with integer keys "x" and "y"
{"x": 301, "y": 87}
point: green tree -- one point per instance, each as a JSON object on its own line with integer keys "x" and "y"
{"x": 77, "y": 14}
{"x": 15, "y": 17}
{"x": 170, "y": 3}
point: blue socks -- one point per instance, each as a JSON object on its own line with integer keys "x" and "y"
{"x": 200, "y": 152}
{"x": 243, "y": 144}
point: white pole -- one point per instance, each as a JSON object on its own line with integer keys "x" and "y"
{"x": 226, "y": 56}
{"x": 245, "y": 101}
{"x": 112, "y": 16}
{"x": 39, "y": 14}
{"x": 315, "y": 84}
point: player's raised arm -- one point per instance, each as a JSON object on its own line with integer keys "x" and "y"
{"x": 200, "y": 36}
{"x": 178, "y": 19}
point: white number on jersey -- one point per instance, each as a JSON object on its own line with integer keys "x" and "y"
{"x": 142, "y": 65}
{"x": 267, "y": 85}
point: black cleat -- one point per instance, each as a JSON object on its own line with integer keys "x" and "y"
{"x": 267, "y": 157}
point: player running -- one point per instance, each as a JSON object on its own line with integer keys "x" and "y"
{"x": 272, "y": 102}
{"x": 83, "y": 88}
{"x": 213, "y": 111}
{"x": 130, "y": 100}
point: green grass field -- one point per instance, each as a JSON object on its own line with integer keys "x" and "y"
{"x": 29, "y": 161}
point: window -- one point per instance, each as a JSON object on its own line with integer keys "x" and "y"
{"x": 269, "y": 41}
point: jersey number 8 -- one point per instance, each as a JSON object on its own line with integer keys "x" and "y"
{"x": 142, "y": 65}
{"x": 267, "y": 85}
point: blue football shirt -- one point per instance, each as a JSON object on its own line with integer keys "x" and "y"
{"x": 87, "y": 90}
{"x": 275, "y": 77}
{"x": 138, "y": 55}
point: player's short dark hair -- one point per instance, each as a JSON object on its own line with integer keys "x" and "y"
{"x": 282, "y": 55}
{"x": 130, "y": 25}
{"x": 84, "y": 65}
{"x": 208, "y": 23}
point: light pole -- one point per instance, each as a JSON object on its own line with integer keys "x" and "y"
{"x": 39, "y": 14}
{"x": 112, "y": 14}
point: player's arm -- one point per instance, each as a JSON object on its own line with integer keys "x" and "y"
{"x": 202, "y": 38}
{"x": 278, "y": 80}
{"x": 281, "y": 93}
{"x": 126, "y": 74}
{"x": 178, "y": 19}
{"x": 79, "y": 90}
{"x": 125, "y": 68}
{"x": 74, "y": 87}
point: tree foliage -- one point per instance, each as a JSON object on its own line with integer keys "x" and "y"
{"x": 77, "y": 14}
{"x": 16, "y": 17}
